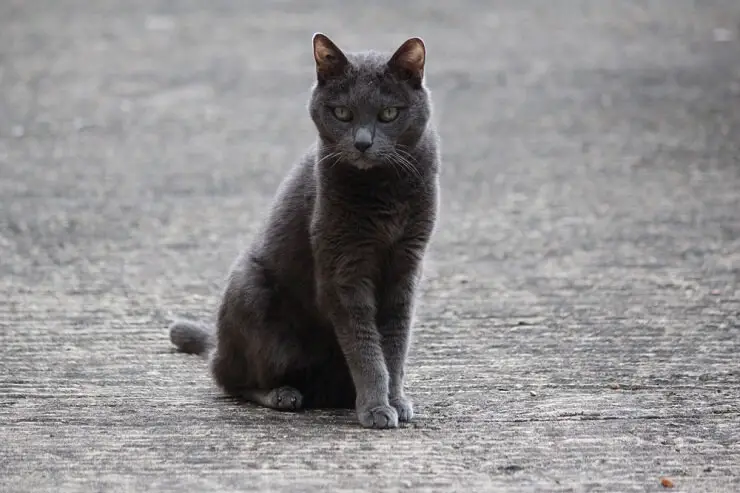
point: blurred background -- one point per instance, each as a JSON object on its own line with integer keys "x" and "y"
{"x": 159, "y": 123}
{"x": 589, "y": 237}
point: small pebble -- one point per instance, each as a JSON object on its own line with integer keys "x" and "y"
{"x": 532, "y": 393}
{"x": 667, "y": 483}
{"x": 614, "y": 386}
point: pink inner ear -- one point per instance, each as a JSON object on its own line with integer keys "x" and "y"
{"x": 414, "y": 58}
{"x": 323, "y": 54}
{"x": 411, "y": 56}
{"x": 327, "y": 55}
{"x": 323, "y": 51}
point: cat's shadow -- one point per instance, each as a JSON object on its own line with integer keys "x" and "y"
{"x": 243, "y": 412}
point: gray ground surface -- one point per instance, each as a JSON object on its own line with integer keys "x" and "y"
{"x": 579, "y": 328}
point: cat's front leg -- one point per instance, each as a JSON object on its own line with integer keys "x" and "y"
{"x": 351, "y": 309}
{"x": 394, "y": 319}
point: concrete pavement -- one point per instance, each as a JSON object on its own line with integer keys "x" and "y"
{"x": 579, "y": 328}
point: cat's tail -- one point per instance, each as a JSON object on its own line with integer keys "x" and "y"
{"x": 192, "y": 337}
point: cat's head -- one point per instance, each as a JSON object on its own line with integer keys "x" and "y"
{"x": 370, "y": 108}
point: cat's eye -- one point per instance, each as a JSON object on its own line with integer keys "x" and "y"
{"x": 388, "y": 114}
{"x": 342, "y": 113}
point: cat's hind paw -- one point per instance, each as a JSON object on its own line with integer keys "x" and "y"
{"x": 285, "y": 399}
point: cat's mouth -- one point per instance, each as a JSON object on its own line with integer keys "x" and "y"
{"x": 364, "y": 160}
{"x": 364, "y": 163}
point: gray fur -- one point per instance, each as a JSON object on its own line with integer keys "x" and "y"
{"x": 317, "y": 312}
{"x": 192, "y": 337}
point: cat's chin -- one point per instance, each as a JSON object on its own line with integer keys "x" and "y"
{"x": 365, "y": 164}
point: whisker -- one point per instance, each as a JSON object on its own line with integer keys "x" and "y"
{"x": 334, "y": 163}
{"x": 331, "y": 155}
{"x": 411, "y": 159}
{"x": 389, "y": 159}
{"x": 406, "y": 163}
{"x": 408, "y": 167}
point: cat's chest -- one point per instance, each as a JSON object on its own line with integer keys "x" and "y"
{"x": 387, "y": 225}
{"x": 379, "y": 215}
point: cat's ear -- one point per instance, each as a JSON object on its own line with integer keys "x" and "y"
{"x": 330, "y": 61}
{"x": 408, "y": 61}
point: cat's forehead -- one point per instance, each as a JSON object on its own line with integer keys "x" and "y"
{"x": 369, "y": 79}
{"x": 369, "y": 60}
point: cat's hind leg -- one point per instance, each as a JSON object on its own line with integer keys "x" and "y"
{"x": 254, "y": 381}
{"x": 259, "y": 347}
{"x": 246, "y": 376}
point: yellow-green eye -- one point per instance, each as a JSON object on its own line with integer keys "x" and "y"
{"x": 388, "y": 114}
{"x": 342, "y": 113}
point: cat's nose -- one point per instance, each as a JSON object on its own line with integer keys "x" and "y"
{"x": 362, "y": 145}
{"x": 363, "y": 140}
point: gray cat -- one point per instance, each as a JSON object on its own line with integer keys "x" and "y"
{"x": 318, "y": 311}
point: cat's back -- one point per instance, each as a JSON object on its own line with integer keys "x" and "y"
{"x": 282, "y": 247}
{"x": 297, "y": 190}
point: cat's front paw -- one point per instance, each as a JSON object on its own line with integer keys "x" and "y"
{"x": 404, "y": 407}
{"x": 379, "y": 416}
